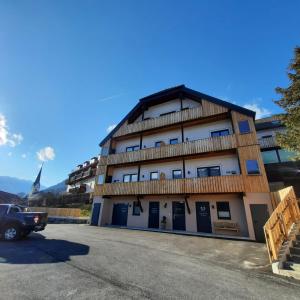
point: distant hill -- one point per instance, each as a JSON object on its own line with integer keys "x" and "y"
{"x": 15, "y": 185}
{"x": 56, "y": 189}
{"x": 6, "y": 198}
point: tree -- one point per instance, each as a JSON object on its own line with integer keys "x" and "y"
{"x": 290, "y": 103}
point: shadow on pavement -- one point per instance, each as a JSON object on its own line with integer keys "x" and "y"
{"x": 38, "y": 250}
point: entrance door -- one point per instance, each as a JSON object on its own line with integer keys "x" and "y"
{"x": 95, "y": 215}
{"x": 260, "y": 215}
{"x": 120, "y": 213}
{"x": 203, "y": 217}
{"x": 153, "y": 221}
{"x": 178, "y": 215}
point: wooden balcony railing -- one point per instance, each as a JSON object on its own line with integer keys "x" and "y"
{"x": 281, "y": 221}
{"x": 268, "y": 142}
{"x": 173, "y": 118}
{"x": 217, "y": 184}
{"x": 187, "y": 148}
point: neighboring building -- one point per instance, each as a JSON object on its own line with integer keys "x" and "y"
{"x": 280, "y": 166}
{"x": 82, "y": 179}
{"x": 183, "y": 160}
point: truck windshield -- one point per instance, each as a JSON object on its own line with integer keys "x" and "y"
{"x": 3, "y": 209}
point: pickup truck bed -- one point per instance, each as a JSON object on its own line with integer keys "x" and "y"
{"x": 16, "y": 222}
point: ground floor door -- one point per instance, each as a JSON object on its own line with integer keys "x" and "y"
{"x": 260, "y": 215}
{"x": 203, "y": 217}
{"x": 178, "y": 215}
{"x": 95, "y": 214}
{"x": 153, "y": 221}
{"x": 120, "y": 213}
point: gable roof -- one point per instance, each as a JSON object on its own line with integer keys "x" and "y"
{"x": 170, "y": 94}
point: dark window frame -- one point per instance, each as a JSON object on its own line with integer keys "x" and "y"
{"x": 253, "y": 172}
{"x": 154, "y": 172}
{"x": 170, "y": 141}
{"x": 219, "y": 131}
{"x": 241, "y": 129}
{"x": 208, "y": 171}
{"x": 167, "y": 113}
{"x": 130, "y": 176}
{"x": 156, "y": 146}
{"x": 219, "y": 209}
{"x": 136, "y": 205}
{"x": 177, "y": 170}
{"x": 133, "y": 148}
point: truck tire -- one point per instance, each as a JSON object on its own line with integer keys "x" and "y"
{"x": 11, "y": 232}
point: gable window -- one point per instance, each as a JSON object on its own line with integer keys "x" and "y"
{"x": 173, "y": 141}
{"x": 267, "y": 136}
{"x": 244, "y": 126}
{"x": 154, "y": 176}
{"x": 136, "y": 209}
{"x": 252, "y": 167}
{"x": 222, "y": 132}
{"x": 223, "y": 210}
{"x": 130, "y": 178}
{"x": 208, "y": 171}
{"x": 132, "y": 148}
{"x": 177, "y": 174}
{"x": 158, "y": 144}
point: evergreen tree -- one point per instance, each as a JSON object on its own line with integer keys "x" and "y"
{"x": 290, "y": 102}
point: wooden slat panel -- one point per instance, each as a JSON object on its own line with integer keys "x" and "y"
{"x": 58, "y": 212}
{"x": 269, "y": 142}
{"x": 218, "y": 184}
{"x": 187, "y": 148}
{"x": 281, "y": 221}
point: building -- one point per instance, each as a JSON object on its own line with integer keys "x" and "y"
{"x": 281, "y": 168}
{"x": 82, "y": 179}
{"x": 183, "y": 160}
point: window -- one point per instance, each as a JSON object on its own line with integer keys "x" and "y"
{"x": 132, "y": 148}
{"x": 136, "y": 209}
{"x": 244, "y": 126}
{"x": 14, "y": 209}
{"x": 154, "y": 176}
{"x": 3, "y": 210}
{"x": 266, "y": 136}
{"x": 130, "y": 178}
{"x": 220, "y": 132}
{"x": 101, "y": 179}
{"x": 173, "y": 141}
{"x": 270, "y": 157}
{"x": 252, "y": 167}
{"x": 167, "y": 113}
{"x": 177, "y": 174}
{"x": 209, "y": 171}
{"x": 286, "y": 155}
{"x": 158, "y": 144}
{"x": 223, "y": 210}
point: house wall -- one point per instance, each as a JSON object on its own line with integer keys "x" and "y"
{"x": 189, "y": 103}
{"x": 236, "y": 204}
{"x": 118, "y": 173}
{"x": 202, "y": 131}
{"x": 271, "y": 131}
{"x": 149, "y": 140}
{"x": 227, "y": 163}
{"x": 123, "y": 144}
{"x": 166, "y": 107}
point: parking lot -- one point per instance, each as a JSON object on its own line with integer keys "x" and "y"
{"x": 83, "y": 262}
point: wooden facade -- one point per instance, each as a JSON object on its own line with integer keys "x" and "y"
{"x": 217, "y": 184}
{"x": 166, "y": 151}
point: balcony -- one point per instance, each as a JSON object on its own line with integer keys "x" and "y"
{"x": 217, "y": 184}
{"x": 207, "y": 109}
{"x": 187, "y": 148}
{"x": 268, "y": 142}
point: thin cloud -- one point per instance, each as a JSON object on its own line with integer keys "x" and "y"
{"x": 24, "y": 155}
{"x": 261, "y": 112}
{"x": 110, "y": 97}
{"x": 110, "y": 128}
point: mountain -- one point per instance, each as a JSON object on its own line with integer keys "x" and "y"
{"x": 56, "y": 189}
{"x": 15, "y": 185}
{"x": 6, "y": 198}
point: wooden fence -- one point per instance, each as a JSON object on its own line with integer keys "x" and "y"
{"x": 281, "y": 221}
{"x": 58, "y": 212}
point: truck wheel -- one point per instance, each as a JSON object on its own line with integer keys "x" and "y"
{"x": 11, "y": 232}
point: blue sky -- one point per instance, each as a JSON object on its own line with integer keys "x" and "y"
{"x": 71, "y": 69}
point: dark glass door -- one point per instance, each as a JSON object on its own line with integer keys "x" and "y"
{"x": 153, "y": 221}
{"x": 203, "y": 217}
{"x": 178, "y": 215}
{"x": 120, "y": 213}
